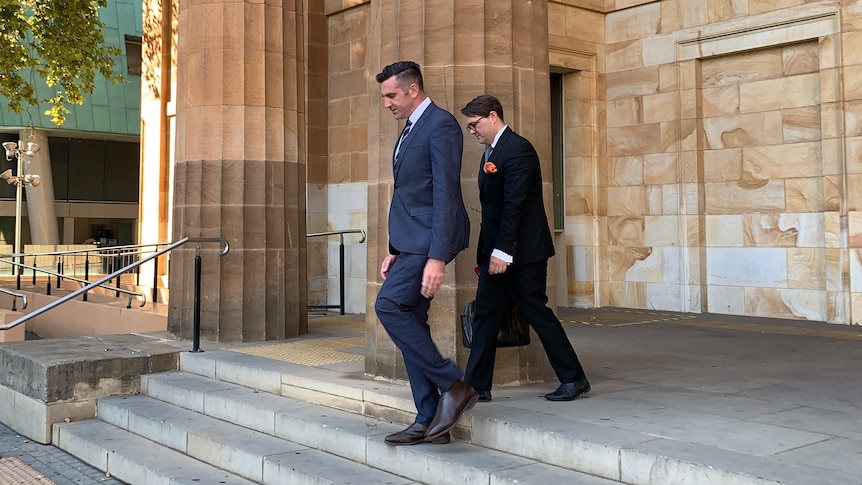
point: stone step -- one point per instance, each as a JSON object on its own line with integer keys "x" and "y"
{"x": 525, "y": 426}
{"x": 251, "y": 454}
{"x": 133, "y": 459}
{"x": 351, "y": 392}
{"x": 342, "y": 433}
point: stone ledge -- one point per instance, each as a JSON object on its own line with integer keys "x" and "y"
{"x": 51, "y": 380}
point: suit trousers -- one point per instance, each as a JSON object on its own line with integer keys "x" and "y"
{"x": 525, "y": 286}
{"x": 403, "y": 311}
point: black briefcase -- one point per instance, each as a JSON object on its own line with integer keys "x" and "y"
{"x": 514, "y": 330}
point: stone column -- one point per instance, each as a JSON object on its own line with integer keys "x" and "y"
{"x": 465, "y": 48}
{"x": 240, "y": 169}
{"x": 158, "y": 92}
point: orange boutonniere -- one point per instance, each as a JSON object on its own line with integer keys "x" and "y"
{"x": 489, "y": 168}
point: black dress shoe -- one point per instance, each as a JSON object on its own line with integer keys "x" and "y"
{"x": 484, "y": 396}
{"x": 569, "y": 391}
{"x": 453, "y": 403}
{"x": 415, "y": 434}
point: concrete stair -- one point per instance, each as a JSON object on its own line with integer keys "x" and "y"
{"x": 289, "y": 423}
{"x": 102, "y": 314}
{"x": 697, "y": 402}
{"x": 270, "y": 421}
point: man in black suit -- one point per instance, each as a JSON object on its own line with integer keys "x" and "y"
{"x": 514, "y": 247}
{"x": 428, "y": 227}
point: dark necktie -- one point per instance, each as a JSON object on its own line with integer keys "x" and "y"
{"x": 487, "y": 153}
{"x": 404, "y": 133}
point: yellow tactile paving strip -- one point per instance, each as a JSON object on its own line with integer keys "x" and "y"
{"x": 13, "y": 470}
{"x": 311, "y": 353}
{"x": 343, "y": 323}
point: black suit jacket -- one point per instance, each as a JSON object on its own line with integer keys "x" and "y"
{"x": 513, "y": 211}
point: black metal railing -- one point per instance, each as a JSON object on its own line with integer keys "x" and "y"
{"x": 79, "y": 264}
{"x": 196, "y": 322}
{"x": 115, "y": 274}
{"x": 20, "y": 267}
{"x": 340, "y": 234}
{"x": 110, "y": 258}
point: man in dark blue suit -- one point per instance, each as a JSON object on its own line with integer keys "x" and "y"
{"x": 428, "y": 227}
{"x": 514, "y": 247}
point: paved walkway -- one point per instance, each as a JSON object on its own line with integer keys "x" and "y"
{"x": 770, "y": 398}
{"x": 783, "y": 395}
{"x": 26, "y": 462}
{"x": 775, "y": 398}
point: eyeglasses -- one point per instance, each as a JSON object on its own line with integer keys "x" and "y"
{"x": 472, "y": 126}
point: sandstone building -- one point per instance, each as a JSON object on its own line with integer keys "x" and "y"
{"x": 700, "y": 155}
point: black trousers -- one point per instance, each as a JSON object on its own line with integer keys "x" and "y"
{"x": 525, "y": 286}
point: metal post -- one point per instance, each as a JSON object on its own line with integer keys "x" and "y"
{"x": 341, "y": 274}
{"x": 196, "y": 324}
{"x": 86, "y": 272}
{"x": 117, "y": 265}
{"x": 155, "y": 279}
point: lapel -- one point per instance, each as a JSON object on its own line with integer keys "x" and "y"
{"x": 496, "y": 155}
{"x": 409, "y": 139}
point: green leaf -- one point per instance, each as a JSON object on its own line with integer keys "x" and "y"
{"x": 60, "y": 42}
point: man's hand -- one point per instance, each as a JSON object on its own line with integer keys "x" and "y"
{"x": 497, "y": 266}
{"x": 388, "y": 261}
{"x": 432, "y": 277}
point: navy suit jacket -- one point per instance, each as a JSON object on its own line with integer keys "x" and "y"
{"x": 513, "y": 211}
{"x": 427, "y": 215}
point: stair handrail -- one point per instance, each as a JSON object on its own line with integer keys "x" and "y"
{"x": 341, "y": 290}
{"x": 113, "y": 251}
{"x": 15, "y": 295}
{"x": 95, "y": 248}
{"x": 224, "y": 250}
{"x": 58, "y": 275}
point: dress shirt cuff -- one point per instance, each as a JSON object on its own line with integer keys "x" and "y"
{"x": 501, "y": 255}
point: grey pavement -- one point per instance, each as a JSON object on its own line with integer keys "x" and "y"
{"x": 782, "y": 392}
{"x": 771, "y": 398}
{"x": 48, "y": 461}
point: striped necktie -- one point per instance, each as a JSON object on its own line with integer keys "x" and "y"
{"x": 404, "y": 133}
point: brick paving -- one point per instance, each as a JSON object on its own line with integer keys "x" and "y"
{"x": 45, "y": 462}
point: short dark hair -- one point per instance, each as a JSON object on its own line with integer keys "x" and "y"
{"x": 408, "y": 72}
{"x": 482, "y": 106}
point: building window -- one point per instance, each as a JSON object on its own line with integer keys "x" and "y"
{"x": 133, "y": 55}
{"x": 557, "y": 149}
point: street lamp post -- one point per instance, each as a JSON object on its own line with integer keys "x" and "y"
{"x": 24, "y": 153}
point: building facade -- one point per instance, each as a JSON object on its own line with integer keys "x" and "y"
{"x": 710, "y": 149}
{"x": 90, "y": 165}
{"x": 699, "y": 155}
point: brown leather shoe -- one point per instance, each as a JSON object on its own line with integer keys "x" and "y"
{"x": 438, "y": 440}
{"x": 415, "y": 434}
{"x": 453, "y": 403}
